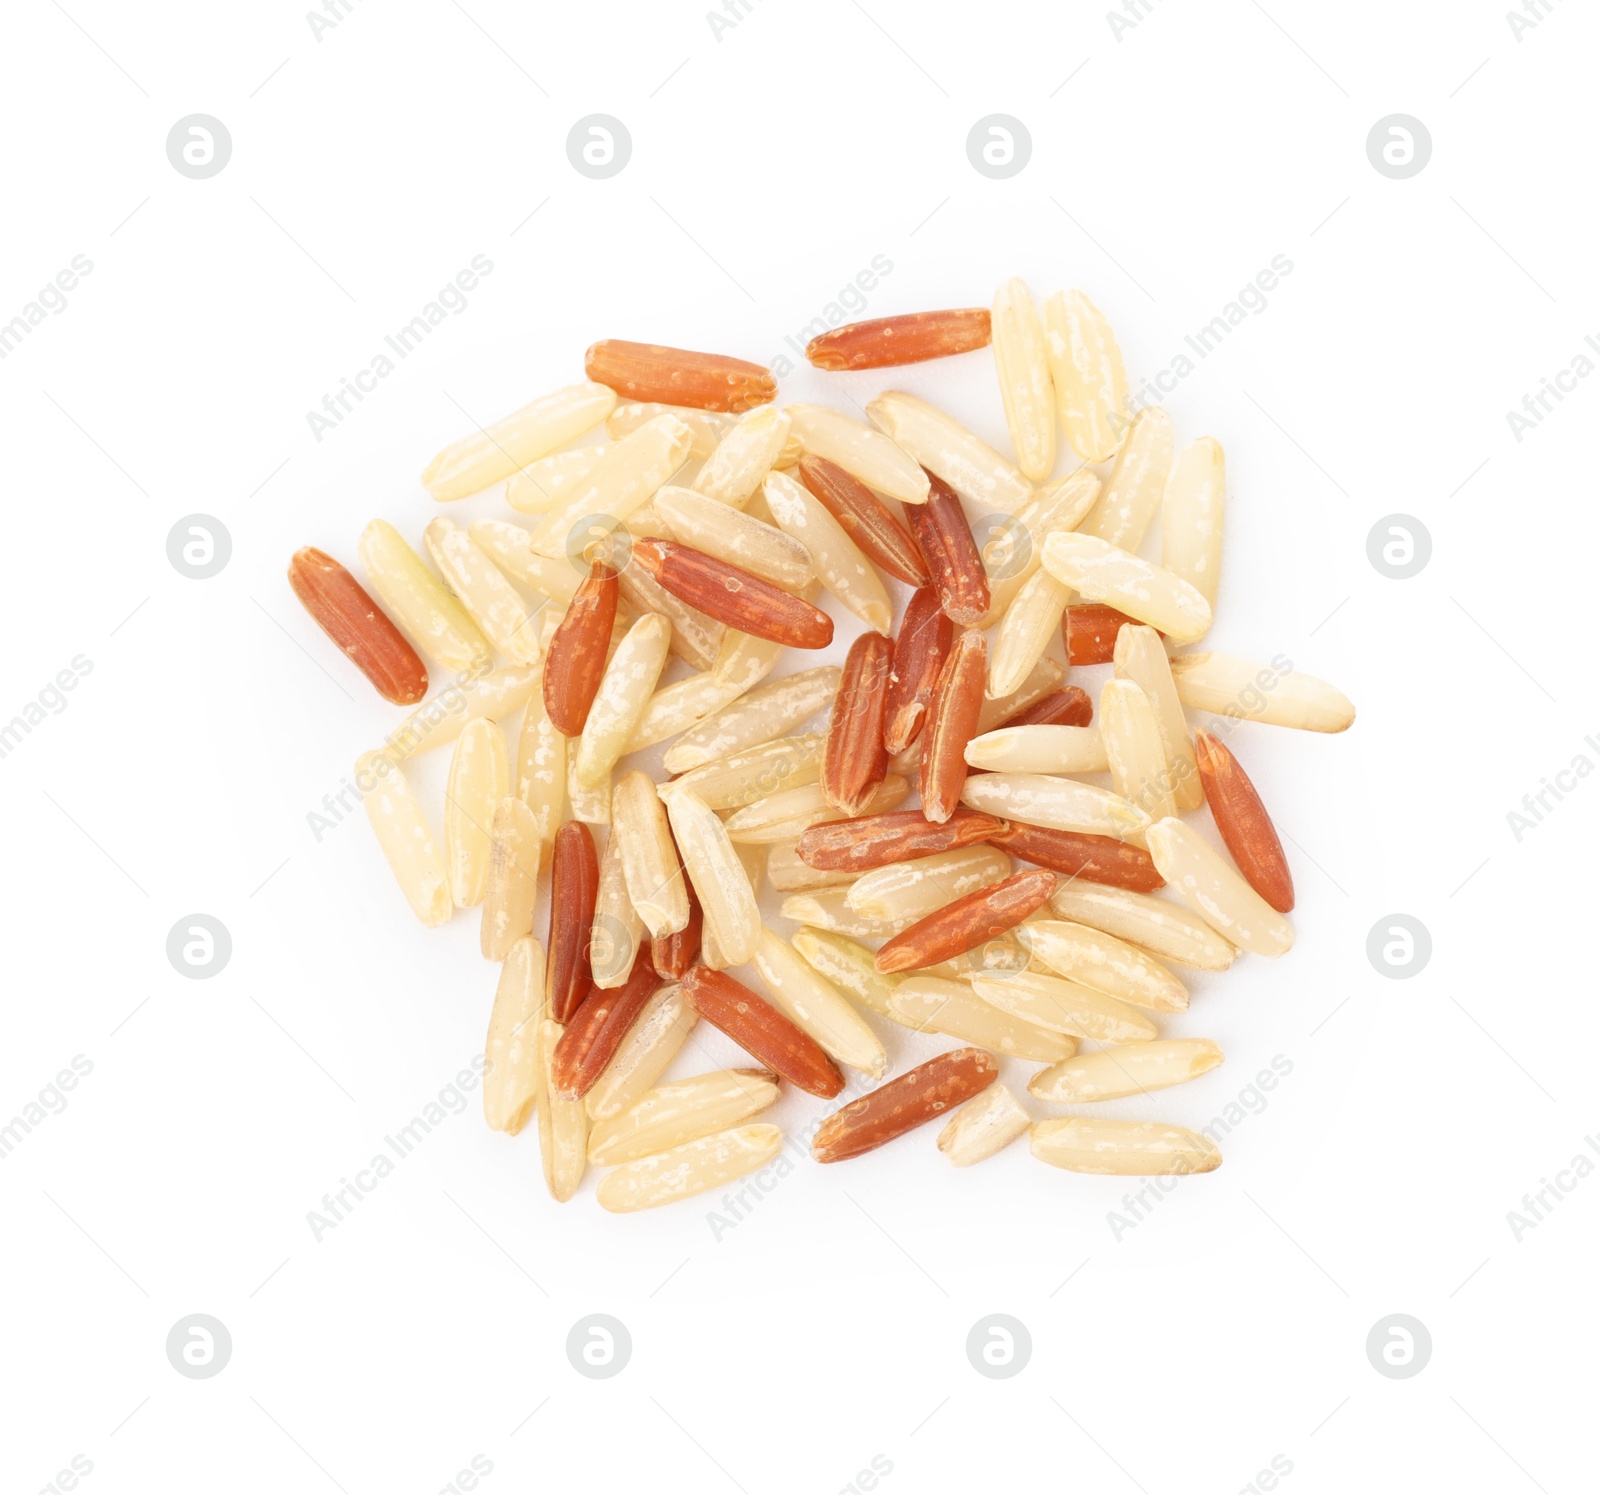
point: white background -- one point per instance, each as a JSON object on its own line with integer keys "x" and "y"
{"x": 769, "y": 166}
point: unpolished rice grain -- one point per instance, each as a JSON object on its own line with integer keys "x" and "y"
{"x": 911, "y": 337}
{"x": 954, "y": 719}
{"x": 597, "y": 1029}
{"x": 510, "y": 547}
{"x": 849, "y": 967}
{"x": 839, "y": 561}
{"x": 861, "y": 451}
{"x": 644, "y": 1055}
{"x": 721, "y": 884}
{"x": 1275, "y": 693}
{"x": 1094, "y": 958}
{"x": 926, "y": 634}
{"x": 788, "y": 874}
{"x": 859, "y": 845}
{"x": 1021, "y": 361}
{"x": 1133, "y": 492}
{"x": 344, "y": 610}
{"x": 435, "y": 621}
{"x": 680, "y": 1112}
{"x": 541, "y": 772}
{"x": 1166, "y": 929}
{"x": 590, "y": 805}
{"x": 1063, "y": 1006}
{"x": 764, "y": 1032}
{"x": 480, "y": 775}
{"x": 404, "y": 836}
{"x": 1083, "y": 1144}
{"x": 905, "y": 891}
{"x": 1141, "y": 658}
{"x": 827, "y": 909}
{"x": 760, "y": 716}
{"x": 854, "y": 759}
{"x": 1012, "y": 554}
{"x": 1073, "y": 854}
{"x": 1135, "y": 1069}
{"x": 574, "y": 887}
{"x": 510, "y": 1051}
{"x": 1070, "y": 707}
{"x": 741, "y": 663}
{"x": 866, "y": 518}
{"x": 740, "y": 539}
{"x": 578, "y": 650}
{"x": 991, "y": 1121}
{"x": 1086, "y": 369}
{"x": 1243, "y": 823}
{"x": 1040, "y": 750}
{"x": 813, "y": 1006}
{"x": 787, "y": 815}
{"x": 440, "y": 719}
{"x": 946, "y": 448}
{"x": 744, "y": 456}
{"x": 696, "y": 639}
{"x": 704, "y": 381}
{"x": 624, "y": 692}
{"x": 471, "y": 464}
{"x": 649, "y": 856}
{"x": 673, "y": 954}
{"x": 516, "y": 852}
{"x": 1043, "y": 678}
{"x": 754, "y": 774}
{"x": 620, "y": 483}
{"x": 1200, "y": 876}
{"x": 1055, "y": 803}
{"x": 693, "y": 1168}
{"x": 541, "y": 485}
{"x": 484, "y": 592}
{"x": 936, "y": 1006}
{"x": 563, "y": 1124}
{"x": 733, "y": 596}
{"x": 920, "y": 1095}
{"x": 617, "y": 933}
{"x": 1103, "y": 573}
{"x": 1191, "y": 516}
{"x": 943, "y": 534}
{"x": 1132, "y": 738}
{"x": 706, "y": 427}
{"x": 1025, "y": 632}
{"x": 1090, "y": 630}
